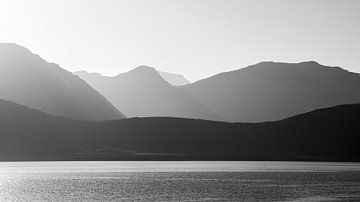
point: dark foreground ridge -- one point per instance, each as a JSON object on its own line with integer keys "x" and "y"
{"x": 329, "y": 134}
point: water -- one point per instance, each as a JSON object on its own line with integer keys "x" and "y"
{"x": 179, "y": 181}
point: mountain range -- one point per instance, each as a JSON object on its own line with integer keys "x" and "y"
{"x": 327, "y": 134}
{"x": 142, "y": 92}
{"x": 266, "y": 111}
{"x": 174, "y": 79}
{"x": 271, "y": 91}
{"x": 266, "y": 91}
{"x": 27, "y": 79}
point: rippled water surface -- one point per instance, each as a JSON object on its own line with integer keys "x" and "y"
{"x": 180, "y": 181}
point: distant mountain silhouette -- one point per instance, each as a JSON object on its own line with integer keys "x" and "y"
{"x": 174, "y": 79}
{"x": 272, "y": 91}
{"x": 142, "y": 92}
{"x": 327, "y": 134}
{"x": 27, "y": 79}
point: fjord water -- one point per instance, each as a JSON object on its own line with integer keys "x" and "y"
{"x": 179, "y": 181}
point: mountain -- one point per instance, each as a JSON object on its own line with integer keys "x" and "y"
{"x": 142, "y": 92}
{"x": 271, "y": 91}
{"x": 329, "y": 134}
{"x": 174, "y": 79}
{"x": 27, "y": 79}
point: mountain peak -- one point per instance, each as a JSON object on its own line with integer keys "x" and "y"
{"x": 143, "y": 68}
{"x": 13, "y": 48}
{"x": 306, "y": 65}
{"x": 174, "y": 79}
{"x": 311, "y": 62}
{"x": 11, "y": 45}
{"x": 143, "y": 71}
{"x": 83, "y": 72}
{"x": 27, "y": 79}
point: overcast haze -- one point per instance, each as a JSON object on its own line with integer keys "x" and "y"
{"x": 197, "y": 38}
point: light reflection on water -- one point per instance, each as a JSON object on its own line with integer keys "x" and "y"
{"x": 179, "y": 181}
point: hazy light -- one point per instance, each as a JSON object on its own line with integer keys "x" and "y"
{"x": 197, "y": 38}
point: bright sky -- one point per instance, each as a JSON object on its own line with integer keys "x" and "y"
{"x": 197, "y": 38}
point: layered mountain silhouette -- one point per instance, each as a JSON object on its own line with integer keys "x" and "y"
{"x": 174, "y": 79}
{"x": 272, "y": 91}
{"x": 266, "y": 91}
{"x": 142, "y": 92}
{"x": 27, "y": 79}
{"x": 327, "y": 134}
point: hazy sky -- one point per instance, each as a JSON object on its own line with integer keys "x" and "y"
{"x": 198, "y": 38}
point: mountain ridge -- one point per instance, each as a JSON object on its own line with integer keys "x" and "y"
{"x": 328, "y": 134}
{"x": 272, "y": 91}
{"x": 174, "y": 79}
{"x": 142, "y": 92}
{"x": 28, "y": 79}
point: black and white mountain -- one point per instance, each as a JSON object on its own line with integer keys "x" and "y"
{"x": 174, "y": 79}
{"x": 329, "y": 134}
{"x": 271, "y": 91}
{"x": 142, "y": 92}
{"x": 27, "y": 79}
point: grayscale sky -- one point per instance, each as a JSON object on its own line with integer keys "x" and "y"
{"x": 197, "y": 38}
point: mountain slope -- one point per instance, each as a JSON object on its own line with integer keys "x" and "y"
{"x": 272, "y": 91}
{"x": 174, "y": 79}
{"x": 142, "y": 92}
{"x": 328, "y": 134}
{"x": 27, "y": 79}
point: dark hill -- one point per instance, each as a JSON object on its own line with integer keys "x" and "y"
{"x": 323, "y": 135}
